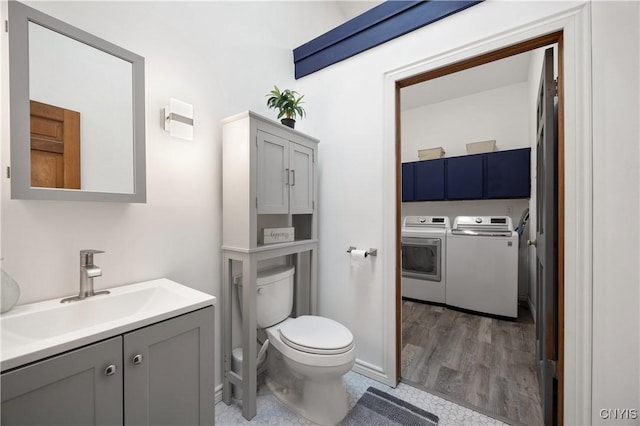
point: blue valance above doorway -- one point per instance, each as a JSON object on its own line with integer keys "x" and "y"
{"x": 382, "y": 23}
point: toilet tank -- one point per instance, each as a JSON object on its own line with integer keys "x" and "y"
{"x": 274, "y": 292}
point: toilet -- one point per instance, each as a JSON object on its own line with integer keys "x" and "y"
{"x": 316, "y": 351}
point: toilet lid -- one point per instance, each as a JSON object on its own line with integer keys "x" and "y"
{"x": 317, "y": 335}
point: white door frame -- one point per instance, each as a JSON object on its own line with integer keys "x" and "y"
{"x": 578, "y": 146}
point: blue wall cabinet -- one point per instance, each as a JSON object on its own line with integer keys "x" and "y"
{"x": 492, "y": 175}
{"x": 508, "y": 174}
{"x": 465, "y": 177}
{"x": 408, "y": 181}
{"x": 429, "y": 180}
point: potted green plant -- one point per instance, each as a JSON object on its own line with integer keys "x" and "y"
{"x": 287, "y": 102}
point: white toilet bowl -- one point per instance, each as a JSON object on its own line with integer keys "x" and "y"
{"x": 318, "y": 351}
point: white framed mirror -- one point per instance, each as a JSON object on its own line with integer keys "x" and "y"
{"x": 77, "y": 113}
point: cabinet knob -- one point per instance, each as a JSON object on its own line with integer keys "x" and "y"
{"x": 110, "y": 370}
{"x": 137, "y": 359}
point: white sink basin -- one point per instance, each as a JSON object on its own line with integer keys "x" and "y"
{"x": 38, "y": 330}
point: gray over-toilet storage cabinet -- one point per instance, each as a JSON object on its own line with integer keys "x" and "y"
{"x": 269, "y": 180}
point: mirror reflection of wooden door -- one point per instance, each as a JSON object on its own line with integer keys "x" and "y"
{"x": 55, "y": 147}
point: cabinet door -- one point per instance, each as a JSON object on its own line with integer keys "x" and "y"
{"x": 172, "y": 380}
{"x": 272, "y": 174}
{"x": 464, "y": 177}
{"x": 69, "y": 389}
{"x": 509, "y": 174}
{"x": 301, "y": 160}
{"x": 408, "y": 181}
{"x": 429, "y": 184}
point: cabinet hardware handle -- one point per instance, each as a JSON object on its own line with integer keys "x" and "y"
{"x": 137, "y": 359}
{"x": 287, "y": 175}
{"x": 110, "y": 370}
{"x": 293, "y": 177}
{"x": 532, "y": 243}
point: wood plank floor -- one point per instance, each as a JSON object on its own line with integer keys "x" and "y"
{"x": 476, "y": 360}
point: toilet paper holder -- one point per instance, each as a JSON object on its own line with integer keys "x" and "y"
{"x": 370, "y": 252}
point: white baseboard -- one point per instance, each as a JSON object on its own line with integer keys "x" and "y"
{"x": 218, "y": 394}
{"x": 532, "y": 309}
{"x": 372, "y": 371}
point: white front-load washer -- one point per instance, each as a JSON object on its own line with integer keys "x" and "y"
{"x": 482, "y": 265}
{"x": 424, "y": 247}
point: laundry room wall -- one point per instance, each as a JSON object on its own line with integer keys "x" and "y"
{"x": 500, "y": 114}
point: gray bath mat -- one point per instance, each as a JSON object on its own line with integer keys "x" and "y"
{"x": 376, "y": 407}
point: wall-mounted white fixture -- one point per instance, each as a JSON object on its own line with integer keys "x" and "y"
{"x": 178, "y": 119}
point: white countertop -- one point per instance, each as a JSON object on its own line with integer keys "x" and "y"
{"x": 38, "y": 330}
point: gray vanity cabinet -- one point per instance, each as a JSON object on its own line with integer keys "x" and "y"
{"x": 168, "y": 372}
{"x": 161, "y": 374}
{"x": 68, "y": 389}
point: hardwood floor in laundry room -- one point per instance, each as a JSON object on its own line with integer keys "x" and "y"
{"x": 475, "y": 360}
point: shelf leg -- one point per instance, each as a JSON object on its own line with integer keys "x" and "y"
{"x": 249, "y": 336}
{"x": 227, "y": 330}
{"x": 313, "y": 281}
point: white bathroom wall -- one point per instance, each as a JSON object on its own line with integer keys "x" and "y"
{"x": 616, "y": 198}
{"x": 222, "y": 57}
{"x": 351, "y": 177}
{"x": 351, "y": 152}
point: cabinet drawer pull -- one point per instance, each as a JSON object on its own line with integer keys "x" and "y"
{"x": 293, "y": 177}
{"x": 137, "y": 359}
{"x": 110, "y": 370}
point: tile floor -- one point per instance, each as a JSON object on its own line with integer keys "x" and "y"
{"x": 272, "y": 412}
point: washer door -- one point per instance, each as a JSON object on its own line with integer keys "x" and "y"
{"x": 422, "y": 258}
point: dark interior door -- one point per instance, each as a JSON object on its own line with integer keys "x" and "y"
{"x": 547, "y": 240}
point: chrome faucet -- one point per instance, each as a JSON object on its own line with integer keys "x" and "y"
{"x": 88, "y": 271}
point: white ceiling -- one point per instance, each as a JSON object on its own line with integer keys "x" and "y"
{"x": 505, "y": 72}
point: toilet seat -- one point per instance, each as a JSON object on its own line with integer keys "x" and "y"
{"x": 316, "y": 335}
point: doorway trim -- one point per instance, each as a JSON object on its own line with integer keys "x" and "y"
{"x": 572, "y": 29}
